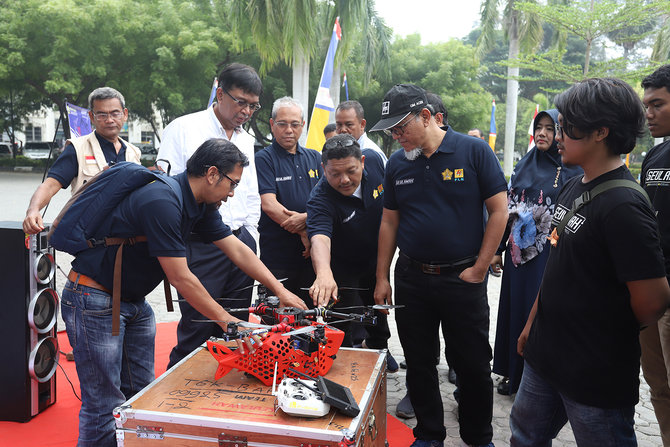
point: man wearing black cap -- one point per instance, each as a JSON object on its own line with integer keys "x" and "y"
{"x": 434, "y": 190}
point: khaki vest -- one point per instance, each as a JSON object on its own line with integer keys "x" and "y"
{"x": 89, "y": 146}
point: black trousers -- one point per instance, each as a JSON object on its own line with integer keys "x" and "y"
{"x": 220, "y": 276}
{"x": 298, "y": 277}
{"x": 462, "y": 309}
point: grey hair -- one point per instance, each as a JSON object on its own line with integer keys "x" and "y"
{"x": 287, "y": 101}
{"x": 103, "y": 93}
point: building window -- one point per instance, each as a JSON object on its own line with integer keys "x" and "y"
{"x": 148, "y": 138}
{"x": 33, "y": 133}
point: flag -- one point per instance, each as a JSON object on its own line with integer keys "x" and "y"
{"x": 492, "y": 129}
{"x": 212, "y": 95}
{"x": 346, "y": 86}
{"x": 531, "y": 130}
{"x": 77, "y": 117}
{"x": 323, "y": 104}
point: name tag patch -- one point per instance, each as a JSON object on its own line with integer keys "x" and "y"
{"x": 404, "y": 181}
{"x": 283, "y": 179}
{"x": 348, "y": 218}
{"x": 658, "y": 177}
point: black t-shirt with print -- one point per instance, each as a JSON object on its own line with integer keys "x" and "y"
{"x": 655, "y": 179}
{"x": 584, "y": 339}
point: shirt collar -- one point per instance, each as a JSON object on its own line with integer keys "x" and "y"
{"x": 217, "y": 124}
{"x": 105, "y": 143}
{"x": 299, "y": 149}
{"x": 192, "y": 208}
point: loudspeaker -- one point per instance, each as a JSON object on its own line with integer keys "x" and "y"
{"x": 28, "y": 314}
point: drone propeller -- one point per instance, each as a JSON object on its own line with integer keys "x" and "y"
{"x": 256, "y": 285}
{"x": 373, "y": 307}
{"x": 302, "y": 330}
{"x": 249, "y": 324}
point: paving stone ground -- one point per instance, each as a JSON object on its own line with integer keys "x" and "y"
{"x": 17, "y": 189}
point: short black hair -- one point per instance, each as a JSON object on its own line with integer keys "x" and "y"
{"x": 351, "y": 104}
{"x": 481, "y": 134}
{"x": 340, "y": 146}
{"x": 604, "y": 102}
{"x": 329, "y": 128}
{"x": 659, "y": 78}
{"x": 215, "y": 152}
{"x": 240, "y": 76}
{"x": 437, "y": 106}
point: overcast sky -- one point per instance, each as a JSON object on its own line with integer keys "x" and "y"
{"x": 434, "y": 20}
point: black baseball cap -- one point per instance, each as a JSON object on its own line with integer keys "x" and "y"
{"x": 399, "y": 102}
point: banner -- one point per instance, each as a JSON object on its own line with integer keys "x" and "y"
{"x": 323, "y": 104}
{"x": 492, "y": 129}
{"x": 77, "y": 117}
{"x": 212, "y": 95}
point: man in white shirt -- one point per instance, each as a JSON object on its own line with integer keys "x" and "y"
{"x": 236, "y": 100}
{"x": 349, "y": 118}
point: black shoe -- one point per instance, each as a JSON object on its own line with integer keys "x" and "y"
{"x": 404, "y": 409}
{"x": 391, "y": 364}
{"x": 403, "y": 364}
{"x": 503, "y": 386}
{"x": 452, "y": 376}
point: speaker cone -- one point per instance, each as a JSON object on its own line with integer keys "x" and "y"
{"x": 42, "y": 310}
{"x": 45, "y": 267}
{"x": 43, "y": 359}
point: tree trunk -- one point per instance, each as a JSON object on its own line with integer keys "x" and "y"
{"x": 512, "y": 96}
{"x": 301, "y": 84}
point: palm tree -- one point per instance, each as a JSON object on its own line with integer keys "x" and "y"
{"x": 293, "y": 30}
{"x": 522, "y": 31}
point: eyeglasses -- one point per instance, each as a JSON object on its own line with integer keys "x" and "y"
{"x": 568, "y": 129}
{"x": 332, "y": 144}
{"x": 233, "y": 183}
{"x": 242, "y": 104}
{"x": 295, "y": 125}
{"x": 102, "y": 116}
{"x": 398, "y": 131}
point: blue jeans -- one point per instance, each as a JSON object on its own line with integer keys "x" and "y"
{"x": 110, "y": 369}
{"x": 540, "y": 411}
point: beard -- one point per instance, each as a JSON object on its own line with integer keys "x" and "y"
{"x": 413, "y": 154}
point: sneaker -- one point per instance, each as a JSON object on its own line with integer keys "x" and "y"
{"x": 404, "y": 409}
{"x": 403, "y": 364}
{"x": 424, "y": 443}
{"x": 503, "y": 387}
{"x": 391, "y": 364}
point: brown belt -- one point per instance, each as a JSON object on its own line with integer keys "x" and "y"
{"x": 87, "y": 281}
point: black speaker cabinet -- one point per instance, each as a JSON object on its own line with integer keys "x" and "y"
{"x": 28, "y": 313}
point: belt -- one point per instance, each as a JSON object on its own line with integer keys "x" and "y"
{"x": 438, "y": 269}
{"x": 87, "y": 281}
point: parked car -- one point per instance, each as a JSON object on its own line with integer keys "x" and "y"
{"x": 149, "y": 152}
{"x": 6, "y": 150}
{"x": 40, "y": 149}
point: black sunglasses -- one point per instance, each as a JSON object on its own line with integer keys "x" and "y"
{"x": 333, "y": 143}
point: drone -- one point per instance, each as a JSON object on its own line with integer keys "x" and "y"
{"x": 295, "y": 341}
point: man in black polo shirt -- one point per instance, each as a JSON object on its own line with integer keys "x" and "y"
{"x": 343, "y": 222}
{"x": 112, "y": 369}
{"x": 434, "y": 191}
{"x": 286, "y": 173}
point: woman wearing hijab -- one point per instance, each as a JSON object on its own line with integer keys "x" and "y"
{"x": 533, "y": 189}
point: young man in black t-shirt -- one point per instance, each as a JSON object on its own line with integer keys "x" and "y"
{"x": 655, "y": 178}
{"x": 604, "y": 279}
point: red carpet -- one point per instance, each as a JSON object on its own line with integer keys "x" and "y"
{"x": 58, "y": 425}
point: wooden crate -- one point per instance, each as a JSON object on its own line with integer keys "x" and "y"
{"x": 186, "y": 407}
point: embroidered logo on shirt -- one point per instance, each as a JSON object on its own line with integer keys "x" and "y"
{"x": 378, "y": 191}
{"x": 658, "y": 177}
{"x": 313, "y": 173}
{"x": 458, "y": 175}
{"x": 446, "y": 174}
{"x": 283, "y": 179}
{"x": 404, "y": 181}
{"x": 351, "y": 216}
{"x": 90, "y": 159}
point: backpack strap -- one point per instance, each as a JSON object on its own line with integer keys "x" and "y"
{"x": 587, "y": 196}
